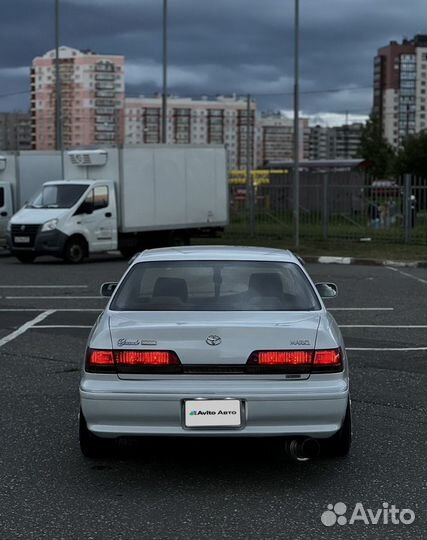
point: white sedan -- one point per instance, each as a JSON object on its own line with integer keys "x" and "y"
{"x": 217, "y": 341}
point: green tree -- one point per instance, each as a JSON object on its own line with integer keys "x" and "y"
{"x": 375, "y": 149}
{"x": 412, "y": 156}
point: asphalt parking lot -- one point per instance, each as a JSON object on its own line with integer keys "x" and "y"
{"x": 189, "y": 489}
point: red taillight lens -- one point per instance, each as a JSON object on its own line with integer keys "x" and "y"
{"x": 329, "y": 361}
{"x": 99, "y": 361}
{"x": 280, "y": 362}
{"x": 147, "y": 362}
{"x": 132, "y": 361}
{"x": 289, "y": 358}
{"x": 146, "y": 358}
{"x": 323, "y": 361}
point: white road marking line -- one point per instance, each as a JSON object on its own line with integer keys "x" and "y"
{"x": 43, "y": 286}
{"x": 382, "y": 325}
{"x": 361, "y": 309}
{"x": 421, "y": 280}
{"x": 26, "y": 327}
{"x": 52, "y": 297}
{"x": 386, "y": 349}
{"x": 61, "y": 326}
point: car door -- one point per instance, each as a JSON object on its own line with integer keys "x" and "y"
{"x": 101, "y": 223}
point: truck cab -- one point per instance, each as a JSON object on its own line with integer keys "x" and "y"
{"x": 68, "y": 219}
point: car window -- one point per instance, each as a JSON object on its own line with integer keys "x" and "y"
{"x": 215, "y": 286}
{"x": 1, "y": 197}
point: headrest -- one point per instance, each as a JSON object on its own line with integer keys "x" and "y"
{"x": 266, "y": 284}
{"x": 171, "y": 287}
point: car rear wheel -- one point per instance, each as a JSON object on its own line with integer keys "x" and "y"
{"x": 339, "y": 444}
{"x": 91, "y": 445}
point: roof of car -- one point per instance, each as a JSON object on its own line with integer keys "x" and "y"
{"x": 240, "y": 253}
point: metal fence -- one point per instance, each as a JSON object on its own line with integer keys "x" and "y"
{"x": 333, "y": 205}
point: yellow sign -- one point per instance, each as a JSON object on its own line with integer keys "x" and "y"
{"x": 260, "y": 177}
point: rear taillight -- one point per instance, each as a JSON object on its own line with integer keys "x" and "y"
{"x": 327, "y": 361}
{"x": 99, "y": 361}
{"x": 280, "y": 362}
{"x": 321, "y": 361}
{"x": 147, "y": 362}
{"x": 132, "y": 361}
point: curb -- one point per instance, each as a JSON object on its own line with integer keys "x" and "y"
{"x": 369, "y": 262}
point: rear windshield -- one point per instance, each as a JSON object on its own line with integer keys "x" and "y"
{"x": 215, "y": 286}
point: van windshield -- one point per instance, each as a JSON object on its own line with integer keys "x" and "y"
{"x": 58, "y": 196}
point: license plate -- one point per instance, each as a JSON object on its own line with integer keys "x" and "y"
{"x": 212, "y": 413}
{"x": 22, "y": 239}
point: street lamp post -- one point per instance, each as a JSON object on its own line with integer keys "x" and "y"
{"x": 296, "y": 182}
{"x": 165, "y": 72}
{"x": 58, "y": 91}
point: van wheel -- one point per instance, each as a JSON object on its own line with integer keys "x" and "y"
{"x": 91, "y": 445}
{"x": 25, "y": 258}
{"x": 75, "y": 250}
{"x": 339, "y": 444}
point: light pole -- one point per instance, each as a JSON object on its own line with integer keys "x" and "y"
{"x": 58, "y": 90}
{"x": 165, "y": 72}
{"x": 296, "y": 126}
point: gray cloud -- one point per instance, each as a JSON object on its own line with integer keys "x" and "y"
{"x": 243, "y": 46}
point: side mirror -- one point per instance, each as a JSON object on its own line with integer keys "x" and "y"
{"x": 327, "y": 290}
{"x": 107, "y": 289}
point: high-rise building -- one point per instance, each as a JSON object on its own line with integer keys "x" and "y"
{"x": 400, "y": 84}
{"x": 200, "y": 121}
{"x": 319, "y": 143}
{"x": 92, "y": 94}
{"x": 275, "y": 138}
{"x": 338, "y": 142}
{"x": 15, "y": 131}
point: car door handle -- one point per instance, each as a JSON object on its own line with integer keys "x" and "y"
{"x": 3, "y": 214}
{"x": 108, "y": 214}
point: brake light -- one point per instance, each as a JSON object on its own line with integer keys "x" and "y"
{"x": 280, "y": 362}
{"x": 146, "y": 358}
{"x": 329, "y": 360}
{"x": 321, "y": 361}
{"x": 99, "y": 361}
{"x": 293, "y": 358}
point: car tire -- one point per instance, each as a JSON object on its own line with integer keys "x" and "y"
{"x": 91, "y": 445}
{"x": 75, "y": 251}
{"x": 339, "y": 444}
{"x": 26, "y": 258}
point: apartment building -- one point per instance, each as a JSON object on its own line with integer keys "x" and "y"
{"x": 400, "y": 85}
{"x": 222, "y": 120}
{"x": 15, "y": 131}
{"x": 92, "y": 93}
{"x": 339, "y": 142}
{"x": 275, "y": 138}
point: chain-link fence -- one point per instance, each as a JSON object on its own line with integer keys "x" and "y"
{"x": 333, "y": 205}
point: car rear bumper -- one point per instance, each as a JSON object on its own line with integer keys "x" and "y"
{"x": 310, "y": 408}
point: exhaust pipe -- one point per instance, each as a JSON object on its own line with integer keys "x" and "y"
{"x": 302, "y": 449}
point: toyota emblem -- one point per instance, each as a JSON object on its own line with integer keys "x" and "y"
{"x": 22, "y": 227}
{"x": 213, "y": 340}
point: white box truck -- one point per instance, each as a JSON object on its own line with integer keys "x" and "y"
{"x": 129, "y": 199}
{"x": 21, "y": 175}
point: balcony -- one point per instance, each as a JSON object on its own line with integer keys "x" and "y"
{"x": 104, "y": 67}
{"x": 104, "y": 94}
{"x": 104, "y": 86}
{"x": 105, "y": 76}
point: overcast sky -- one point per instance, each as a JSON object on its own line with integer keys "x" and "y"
{"x": 219, "y": 46}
